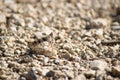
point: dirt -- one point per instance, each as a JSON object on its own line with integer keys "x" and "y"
{"x": 59, "y": 40}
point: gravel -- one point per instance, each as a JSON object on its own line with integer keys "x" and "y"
{"x": 59, "y": 40}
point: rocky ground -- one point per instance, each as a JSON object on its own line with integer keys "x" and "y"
{"x": 59, "y": 39}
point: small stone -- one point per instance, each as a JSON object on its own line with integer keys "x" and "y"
{"x": 2, "y": 18}
{"x": 44, "y": 19}
{"x": 80, "y": 77}
{"x": 44, "y": 71}
{"x": 13, "y": 64}
{"x": 15, "y": 16}
{"x": 38, "y": 35}
{"x": 88, "y": 34}
{"x": 69, "y": 73}
{"x": 90, "y": 73}
{"x": 26, "y": 59}
{"x": 32, "y": 75}
{"x": 115, "y": 27}
{"x": 55, "y": 74}
{"x": 76, "y": 64}
{"x": 98, "y": 41}
{"x": 57, "y": 61}
{"x": 116, "y": 71}
{"x": 66, "y": 56}
{"x": 50, "y": 74}
{"x": 99, "y": 33}
{"x": 9, "y": 1}
{"x": 45, "y": 60}
{"x": 13, "y": 7}
{"x": 100, "y": 75}
{"x": 35, "y": 63}
{"x": 13, "y": 28}
{"x": 3, "y": 64}
{"x": 21, "y": 22}
{"x": 28, "y": 1}
{"x": 98, "y": 65}
{"x": 109, "y": 77}
{"x": 67, "y": 46}
{"x": 22, "y": 78}
{"x": 115, "y": 24}
{"x": 3, "y": 77}
{"x": 17, "y": 51}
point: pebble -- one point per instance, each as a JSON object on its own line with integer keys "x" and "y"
{"x": 90, "y": 73}
{"x": 76, "y": 64}
{"x": 13, "y": 28}
{"x": 98, "y": 65}
{"x": 26, "y": 59}
{"x": 28, "y": 1}
{"x": 44, "y": 71}
{"x": 66, "y": 56}
{"x": 32, "y": 75}
{"x": 115, "y": 27}
{"x": 56, "y": 74}
{"x": 80, "y": 77}
{"x": 50, "y": 74}
{"x": 57, "y": 61}
{"x": 3, "y": 64}
{"x": 21, "y": 22}
{"x": 17, "y": 51}
{"x": 116, "y": 71}
{"x": 69, "y": 73}
{"x": 109, "y": 77}
{"x": 38, "y": 35}
{"x": 115, "y": 24}
{"x": 2, "y": 18}
{"x": 99, "y": 33}
{"x": 45, "y": 60}
{"x": 8, "y": 1}
{"x": 13, "y": 64}
{"x": 100, "y": 75}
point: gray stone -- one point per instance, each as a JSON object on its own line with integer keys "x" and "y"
{"x": 56, "y": 74}
{"x": 98, "y": 65}
{"x": 32, "y": 75}
{"x": 66, "y": 56}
